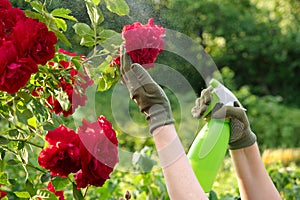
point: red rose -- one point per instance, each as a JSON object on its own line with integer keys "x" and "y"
{"x": 62, "y": 155}
{"x": 5, "y": 4}
{"x": 59, "y": 194}
{"x": 143, "y": 42}
{"x": 33, "y": 39}
{"x": 8, "y": 20}
{"x": 14, "y": 71}
{"x": 99, "y": 152}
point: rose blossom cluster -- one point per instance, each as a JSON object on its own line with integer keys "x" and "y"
{"x": 24, "y": 44}
{"x": 143, "y": 43}
{"x": 75, "y": 86}
{"x": 90, "y": 155}
{"x": 75, "y": 89}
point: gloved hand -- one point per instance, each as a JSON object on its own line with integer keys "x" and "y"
{"x": 147, "y": 94}
{"x": 240, "y": 133}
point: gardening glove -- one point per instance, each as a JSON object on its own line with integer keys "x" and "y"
{"x": 147, "y": 94}
{"x": 241, "y": 135}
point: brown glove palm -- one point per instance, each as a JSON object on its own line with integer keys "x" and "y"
{"x": 241, "y": 135}
{"x": 147, "y": 94}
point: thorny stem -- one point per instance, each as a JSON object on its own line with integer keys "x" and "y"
{"x": 10, "y": 150}
{"x": 28, "y": 142}
{"x": 34, "y": 167}
{"x": 95, "y": 56}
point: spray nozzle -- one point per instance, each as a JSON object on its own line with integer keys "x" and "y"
{"x": 222, "y": 95}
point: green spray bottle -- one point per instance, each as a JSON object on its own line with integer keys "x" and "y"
{"x": 207, "y": 151}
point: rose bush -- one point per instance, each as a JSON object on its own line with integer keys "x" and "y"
{"x": 142, "y": 42}
{"x": 75, "y": 87}
{"x": 24, "y": 44}
{"x": 41, "y": 87}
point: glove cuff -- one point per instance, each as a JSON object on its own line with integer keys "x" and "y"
{"x": 159, "y": 116}
{"x": 248, "y": 139}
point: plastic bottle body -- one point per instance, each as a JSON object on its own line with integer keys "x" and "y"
{"x": 208, "y": 150}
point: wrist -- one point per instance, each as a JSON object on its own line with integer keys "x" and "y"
{"x": 168, "y": 145}
{"x": 159, "y": 116}
{"x": 248, "y": 138}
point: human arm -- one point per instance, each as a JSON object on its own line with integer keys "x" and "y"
{"x": 179, "y": 176}
{"x": 152, "y": 101}
{"x": 253, "y": 179}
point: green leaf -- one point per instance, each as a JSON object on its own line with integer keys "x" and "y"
{"x": 32, "y": 122}
{"x": 102, "y": 84}
{"x": 12, "y": 181}
{"x": 61, "y": 24}
{"x": 105, "y": 64}
{"x": 24, "y": 115}
{"x": 143, "y": 160}
{"x": 107, "y": 33}
{"x": 49, "y": 126}
{"x": 63, "y": 13}
{"x": 213, "y": 195}
{"x": 77, "y": 61}
{"x": 60, "y": 183}
{"x": 36, "y": 5}
{"x": 30, "y": 188}
{"x": 108, "y": 79}
{"x": 119, "y": 7}
{"x": 3, "y": 140}
{"x": 45, "y": 177}
{"x": 24, "y": 95}
{"x": 62, "y": 38}
{"x": 87, "y": 41}
{"x": 94, "y": 13}
{"x": 63, "y": 99}
{"x": 34, "y": 15}
{"x": 96, "y": 2}
{"x": 21, "y": 106}
{"x": 13, "y": 132}
{"x": 56, "y": 120}
{"x": 21, "y": 145}
{"x": 48, "y": 19}
{"x": 77, "y": 193}
{"x": 109, "y": 43}
{"x": 39, "y": 107}
{"x": 13, "y": 162}
{"x": 3, "y": 179}
{"x": 83, "y": 29}
{"x": 22, "y": 194}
